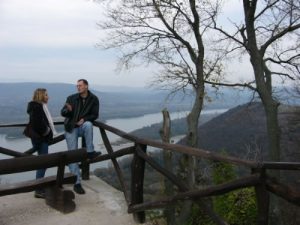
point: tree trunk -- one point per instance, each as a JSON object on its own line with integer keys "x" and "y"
{"x": 263, "y": 80}
{"x": 188, "y": 163}
{"x": 273, "y": 129}
{"x": 192, "y": 135}
{"x": 264, "y": 88}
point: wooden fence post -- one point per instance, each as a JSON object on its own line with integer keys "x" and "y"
{"x": 60, "y": 171}
{"x": 263, "y": 198}
{"x": 167, "y": 156}
{"x": 85, "y": 166}
{"x": 137, "y": 182}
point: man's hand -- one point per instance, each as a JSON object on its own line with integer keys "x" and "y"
{"x": 69, "y": 107}
{"x": 80, "y": 122}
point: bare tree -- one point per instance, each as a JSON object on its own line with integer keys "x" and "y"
{"x": 270, "y": 35}
{"x": 172, "y": 35}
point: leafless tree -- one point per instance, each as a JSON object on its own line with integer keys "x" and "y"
{"x": 270, "y": 35}
{"x": 172, "y": 34}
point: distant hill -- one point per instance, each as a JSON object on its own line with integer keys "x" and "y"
{"x": 114, "y": 102}
{"x": 241, "y": 131}
{"x": 14, "y": 98}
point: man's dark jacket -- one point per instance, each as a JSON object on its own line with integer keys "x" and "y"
{"x": 89, "y": 111}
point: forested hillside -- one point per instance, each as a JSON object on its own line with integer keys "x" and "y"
{"x": 241, "y": 132}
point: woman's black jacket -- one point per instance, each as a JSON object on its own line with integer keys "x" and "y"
{"x": 39, "y": 120}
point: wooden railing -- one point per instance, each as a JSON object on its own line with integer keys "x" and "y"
{"x": 56, "y": 196}
{"x": 258, "y": 174}
{"x": 29, "y": 163}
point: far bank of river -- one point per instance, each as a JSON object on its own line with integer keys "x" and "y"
{"x": 124, "y": 124}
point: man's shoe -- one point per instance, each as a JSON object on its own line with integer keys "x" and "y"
{"x": 94, "y": 154}
{"x": 78, "y": 189}
{"x": 39, "y": 194}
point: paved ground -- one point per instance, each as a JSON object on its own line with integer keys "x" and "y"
{"x": 101, "y": 205}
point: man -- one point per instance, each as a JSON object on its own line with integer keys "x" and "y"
{"x": 80, "y": 110}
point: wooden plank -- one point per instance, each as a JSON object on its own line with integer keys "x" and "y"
{"x": 115, "y": 163}
{"x": 137, "y": 182}
{"x": 13, "y": 153}
{"x": 85, "y": 164}
{"x": 179, "y": 148}
{"x": 285, "y": 191}
{"x": 24, "y": 124}
{"x": 220, "y": 189}
{"x": 60, "y": 171}
{"x": 165, "y": 133}
{"x": 31, "y": 185}
{"x": 57, "y": 139}
{"x": 262, "y": 198}
{"x": 281, "y": 165}
{"x": 114, "y": 155}
{"x": 52, "y": 142}
{"x": 16, "y": 165}
{"x": 166, "y": 173}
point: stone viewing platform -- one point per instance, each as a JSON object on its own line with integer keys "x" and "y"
{"x": 102, "y": 204}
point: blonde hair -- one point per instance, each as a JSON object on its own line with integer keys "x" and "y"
{"x": 39, "y": 95}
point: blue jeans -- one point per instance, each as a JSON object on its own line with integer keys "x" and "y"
{"x": 86, "y": 131}
{"x": 42, "y": 149}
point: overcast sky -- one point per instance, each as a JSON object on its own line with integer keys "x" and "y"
{"x": 54, "y": 41}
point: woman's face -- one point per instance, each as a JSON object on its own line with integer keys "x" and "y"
{"x": 46, "y": 97}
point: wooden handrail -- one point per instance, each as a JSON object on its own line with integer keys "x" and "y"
{"x": 200, "y": 152}
{"x": 26, "y": 186}
{"x": 178, "y": 148}
{"x": 24, "y": 124}
{"x": 16, "y": 165}
{"x": 215, "y": 190}
{"x": 263, "y": 184}
{"x": 13, "y": 153}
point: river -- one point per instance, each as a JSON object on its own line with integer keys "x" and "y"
{"x": 124, "y": 124}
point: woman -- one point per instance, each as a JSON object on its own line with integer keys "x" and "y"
{"x": 42, "y": 124}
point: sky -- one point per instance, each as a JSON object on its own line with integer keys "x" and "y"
{"x": 55, "y": 41}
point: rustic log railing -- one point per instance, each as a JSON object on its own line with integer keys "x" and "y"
{"x": 258, "y": 178}
{"x": 55, "y": 195}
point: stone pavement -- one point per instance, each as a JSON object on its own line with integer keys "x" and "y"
{"x": 101, "y": 205}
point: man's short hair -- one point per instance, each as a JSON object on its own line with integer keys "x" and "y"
{"x": 84, "y": 81}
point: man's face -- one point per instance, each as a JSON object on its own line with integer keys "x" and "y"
{"x": 81, "y": 87}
